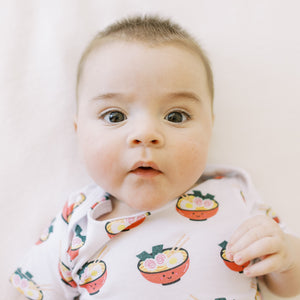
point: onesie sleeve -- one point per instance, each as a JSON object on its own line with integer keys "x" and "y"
{"x": 44, "y": 273}
{"x": 253, "y": 201}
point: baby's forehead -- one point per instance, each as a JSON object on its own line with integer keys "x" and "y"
{"x": 140, "y": 57}
{"x": 118, "y": 53}
{"x": 109, "y": 43}
{"x": 136, "y": 59}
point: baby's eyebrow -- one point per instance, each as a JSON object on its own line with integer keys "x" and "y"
{"x": 107, "y": 96}
{"x": 185, "y": 94}
{"x": 171, "y": 95}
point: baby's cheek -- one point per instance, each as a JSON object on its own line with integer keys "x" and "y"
{"x": 103, "y": 165}
{"x": 189, "y": 156}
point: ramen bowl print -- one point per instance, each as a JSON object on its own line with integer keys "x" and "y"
{"x": 196, "y": 206}
{"x": 25, "y": 285}
{"x": 116, "y": 226}
{"x": 229, "y": 263}
{"x": 163, "y": 266}
{"x": 65, "y": 274}
{"x": 92, "y": 276}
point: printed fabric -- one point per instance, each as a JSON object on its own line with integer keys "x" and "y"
{"x": 175, "y": 252}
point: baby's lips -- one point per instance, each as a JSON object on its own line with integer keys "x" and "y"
{"x": 145, "y": 164}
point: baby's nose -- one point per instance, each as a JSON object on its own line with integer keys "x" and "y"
{"x": 147, "y": 137}
{"x": 145, "y": 142}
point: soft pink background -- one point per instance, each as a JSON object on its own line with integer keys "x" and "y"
{"x": 255, "y": 51}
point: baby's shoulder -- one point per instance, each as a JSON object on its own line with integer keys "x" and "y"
{"x": 229, "y": 180}
{"x": 228, "y": 173}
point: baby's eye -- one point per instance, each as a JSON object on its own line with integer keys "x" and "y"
{"x": 114, "y": 116}
{"x": 177, "y": 117}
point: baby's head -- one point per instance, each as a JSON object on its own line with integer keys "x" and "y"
{"x": 144, "y": 111}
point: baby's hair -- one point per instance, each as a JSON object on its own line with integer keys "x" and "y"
{"x": 151, "y": 30}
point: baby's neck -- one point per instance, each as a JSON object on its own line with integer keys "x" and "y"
{"x": 119, "y": 209}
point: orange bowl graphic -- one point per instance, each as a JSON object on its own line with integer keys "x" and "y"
{"x": 231, "y": 264}
{"x": 92, "y": 276}
{"x": 273, "y": 215}
{"x": 116, "y": 226}
{"x": 65, "y": 274}
{"x": 68, "y": 210}
{"x": 197, "y": 207}
{"x": 166, "y": 267}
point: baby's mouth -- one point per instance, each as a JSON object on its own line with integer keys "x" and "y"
{"x": 146, "y": 170}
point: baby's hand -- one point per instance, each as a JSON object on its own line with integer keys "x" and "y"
{"x": 260, "y": 237}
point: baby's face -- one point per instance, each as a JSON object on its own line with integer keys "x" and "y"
{"x": 144, "y": 121}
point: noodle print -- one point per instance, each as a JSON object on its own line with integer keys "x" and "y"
{"x": 163, "y": 265}
{"x": 120, "y": 225}
{"x": 25, "y": 285}
{"x": 92, "y": 276}
{"x": 66, "y": 275}
{"x": 196, "y": 206}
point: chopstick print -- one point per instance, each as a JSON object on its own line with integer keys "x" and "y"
{"x": 179, "y": 244}
{"x": 165, "y": 265}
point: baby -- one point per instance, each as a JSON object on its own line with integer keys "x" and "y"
{"x": 157, "y": 223}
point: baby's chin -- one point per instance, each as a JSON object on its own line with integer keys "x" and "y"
{"x": 146, "y": 203}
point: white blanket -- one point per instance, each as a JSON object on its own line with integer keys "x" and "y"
{"x": 254, "y": 47}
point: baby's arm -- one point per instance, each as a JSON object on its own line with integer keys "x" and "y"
{"x": 278, "y": 253}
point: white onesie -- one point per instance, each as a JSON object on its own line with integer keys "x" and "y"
{"x": 175, "y": 252}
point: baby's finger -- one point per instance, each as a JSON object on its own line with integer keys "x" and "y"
{"x": 252, "y": 230}
{"x": 255, "y": 234}
{"x": 261, "y": 248}
{"x": 268, "y": 265}
{"x": 245, "y": 227}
